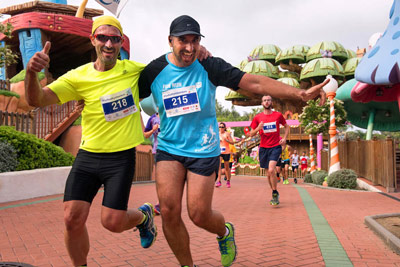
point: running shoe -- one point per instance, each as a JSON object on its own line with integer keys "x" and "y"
{"x": 225, "y": 178}
{"x": 275, "y": 199}
{"x": 295, "y": 180}
{"x": 227, "y": 246}
{"x": 228, "y": 184}
{"x": 286, "y": 181}
{"x": 157, "y": 209}
{"x": 147, "y": 229}
{"x": 218, "y": 184}
{"x": 279, "y": 179}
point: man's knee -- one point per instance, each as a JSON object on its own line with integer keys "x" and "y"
{"x": 74, "y": 221}
{"x": 170, "y": 213}
{"x": 271, "y": 172}
{"x": 114, "y": 222}
{"x": 199, "y": 216}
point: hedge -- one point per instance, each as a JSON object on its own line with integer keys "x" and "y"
{"x": 34, "y": 153}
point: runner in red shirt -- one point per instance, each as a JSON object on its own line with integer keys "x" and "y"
{"x": 303, "y": 163}
{"x": 267, "y": 125}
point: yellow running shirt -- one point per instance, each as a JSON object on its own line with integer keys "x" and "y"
{"x": 285, "y": 153}
{"x": 108, "y": 96}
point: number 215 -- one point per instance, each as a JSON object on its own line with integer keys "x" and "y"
{"x": 179, "y": 101}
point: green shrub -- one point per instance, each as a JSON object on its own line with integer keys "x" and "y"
{"x": 8, "y": 157}
{"x": 21, "y": 76}
{"x": 344, "y": 178}
{"x": 78, "y": 121}
{"x": 248, "y": 160}
{"x": 34, "y": 153}
{"x": 307, "y": 178}
{"x": 9, "y": 93}
{"x": 318, "y": 177}
{"x": 147, "y": 141}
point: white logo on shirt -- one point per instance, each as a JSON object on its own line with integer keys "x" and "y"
{"x": 209, "y": 139}
{"x": 269, "y": 127}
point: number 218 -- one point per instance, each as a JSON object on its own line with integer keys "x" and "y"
{"x": 119, "y": 104}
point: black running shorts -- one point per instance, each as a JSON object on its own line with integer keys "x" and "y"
{"x": 91, "y": 170}
{"x": 226, "y": 157}
{"x": 267, "y": 154}
{"x": 201, "y": 166}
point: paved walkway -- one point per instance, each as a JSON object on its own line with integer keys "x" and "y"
{"x": 311, "y": 227}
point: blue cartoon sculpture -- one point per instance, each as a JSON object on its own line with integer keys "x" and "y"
{"x": 378, "y": 72}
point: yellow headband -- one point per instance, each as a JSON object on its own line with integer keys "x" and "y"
{"x": 106, "y": 20}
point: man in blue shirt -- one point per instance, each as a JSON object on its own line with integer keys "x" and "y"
{"x": 188, "y": 144}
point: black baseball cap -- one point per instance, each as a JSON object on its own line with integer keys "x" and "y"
{"x": 184, "y": 25}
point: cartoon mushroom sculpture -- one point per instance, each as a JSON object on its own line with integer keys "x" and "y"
{"x": 372, "y": 115}
{"x": 378, "y": 72}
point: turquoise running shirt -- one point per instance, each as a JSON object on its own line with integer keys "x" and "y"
{"x": 185, "y": 98}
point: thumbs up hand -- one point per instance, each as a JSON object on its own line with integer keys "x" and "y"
{"x": 40, "y": 60}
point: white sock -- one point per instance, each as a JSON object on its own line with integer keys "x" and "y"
{"x": 226, "y": 233}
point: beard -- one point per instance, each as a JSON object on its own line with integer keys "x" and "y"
{"x": 267, "y": 107}
{"x": 185, "y": 61}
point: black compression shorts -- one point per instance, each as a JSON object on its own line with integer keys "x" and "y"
{"x": 91, "y": 170}
{"x": 201, "y": 166}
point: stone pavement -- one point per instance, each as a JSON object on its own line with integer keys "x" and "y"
{"x": 311, "y": 227}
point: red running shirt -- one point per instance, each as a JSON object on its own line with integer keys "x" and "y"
{"x": 270, "y": 132}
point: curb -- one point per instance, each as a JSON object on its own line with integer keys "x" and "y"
{"x": 366, "y": 186}
{"x": 390, "y": 239}
{"x": 360, "y": 183}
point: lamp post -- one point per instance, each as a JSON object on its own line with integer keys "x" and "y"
{"x": 330, "y": 90}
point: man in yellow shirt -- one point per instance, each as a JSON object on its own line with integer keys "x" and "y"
{"x": 111, "y": 129}
{"x": 285, "y": 156}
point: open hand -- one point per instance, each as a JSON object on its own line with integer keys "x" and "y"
{"x": 314, "y": 92}
{"x": 204, "y": 53}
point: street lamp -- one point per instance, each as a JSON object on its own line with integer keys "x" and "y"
{"x": 330, "y": 90}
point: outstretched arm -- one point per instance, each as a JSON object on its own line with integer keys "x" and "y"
{"x": 256, "y": 85}
{"x": 35, "y": 94}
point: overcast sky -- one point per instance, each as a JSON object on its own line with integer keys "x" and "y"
{"x": 233, "y": 28}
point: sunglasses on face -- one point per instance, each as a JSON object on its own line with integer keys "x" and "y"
{"x": 115, "y": 39}
{"x": 221, "y": 127}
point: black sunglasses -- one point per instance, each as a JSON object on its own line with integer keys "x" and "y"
{"x": 221, "y": 127}
{"x": 115, "y": 39}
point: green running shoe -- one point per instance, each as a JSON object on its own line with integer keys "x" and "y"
{"x": 147, "y": 229}
{"x": 227, "y": 246}
{"x": 275, "y": 199}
